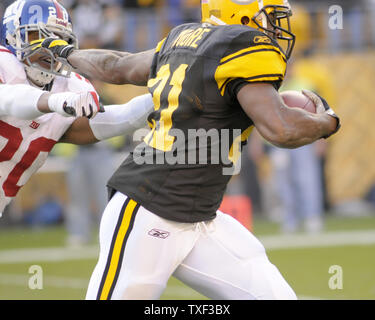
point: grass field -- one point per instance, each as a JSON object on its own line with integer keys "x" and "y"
{"x": 304, "y": 261}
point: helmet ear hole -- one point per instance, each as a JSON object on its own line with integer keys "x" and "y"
{"x": 245, "y": 20}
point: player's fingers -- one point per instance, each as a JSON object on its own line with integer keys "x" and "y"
{"x": 316, "y": 99}
{"x": 36, "y": 44}
{"x": 83, "y": 112}
{"x": 91, "y": 114}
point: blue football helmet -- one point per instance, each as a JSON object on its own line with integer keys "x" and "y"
{"x": 47, "y": 18}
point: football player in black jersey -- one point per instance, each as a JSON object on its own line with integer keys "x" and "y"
{"x": 219, "y": 79}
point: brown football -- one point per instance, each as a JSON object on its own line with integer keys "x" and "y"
{"x": 296, "y": 99}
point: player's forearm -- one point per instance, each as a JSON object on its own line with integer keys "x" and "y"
{"x": 301, "y": 128}
{"x": 122, "y": 119}
{"x": 22, "y": 101}
{"x": 42, "y": 103}
{"x": 113, "y": 66}
{"x": 280, "y": 125}
{"x": 117, "y": 120}
{"x": 99, "y": 64}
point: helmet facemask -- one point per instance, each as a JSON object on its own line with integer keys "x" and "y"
{"x": 275, "y": 21}
{"x": 42, "y": 73}
{"x": 21, "y": 27}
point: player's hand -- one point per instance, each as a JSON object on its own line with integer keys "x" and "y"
{"x": 322, "y": 106}
{"x": 58, "y": 47}
{"x": 68, "y": 104}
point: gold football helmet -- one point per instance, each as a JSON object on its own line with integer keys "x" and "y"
{"x": 269, "y": 16}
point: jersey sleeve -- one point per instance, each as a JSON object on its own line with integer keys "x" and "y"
{"x": 252, "y": 57}
{"x": 11, "y": 70}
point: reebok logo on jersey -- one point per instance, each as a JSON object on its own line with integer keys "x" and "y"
{"x": 262, "y": 39}
{"x": 157, "y": 233}
{"x": 34, "y": 125}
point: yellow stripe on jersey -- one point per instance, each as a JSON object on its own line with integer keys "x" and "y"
{"x": 158, "y": 47}
{"x": 260, "y": 63}
{"x": 116, "y": 251}
{"x": 235, "y": 149}
{"x": 252, "y": 49}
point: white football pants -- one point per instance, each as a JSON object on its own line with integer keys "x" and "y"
{"x": 139, "y": 251}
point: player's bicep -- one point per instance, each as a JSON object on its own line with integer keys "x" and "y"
{"x": 264, "y": 106}
{"x": 79, "y": 133}
{"x": 134, "y": 68}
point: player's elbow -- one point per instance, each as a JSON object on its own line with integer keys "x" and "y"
{"x": 118, "y": 77}
{"x": 127, "y": 70}
{"x": 124, "y": 76}
{"x": 112, "y": 71}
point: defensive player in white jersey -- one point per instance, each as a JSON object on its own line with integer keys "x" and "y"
{"x": 42, "y": 102}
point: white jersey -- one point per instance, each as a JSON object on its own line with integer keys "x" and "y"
{"x": 25, "y": 144}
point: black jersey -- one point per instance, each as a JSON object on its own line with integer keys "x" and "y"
{"x": 181, "y": 169}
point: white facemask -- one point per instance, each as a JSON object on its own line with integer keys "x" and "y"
{"x": 38, "y": 77}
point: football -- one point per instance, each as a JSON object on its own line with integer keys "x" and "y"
{"x": 296, "y": 99}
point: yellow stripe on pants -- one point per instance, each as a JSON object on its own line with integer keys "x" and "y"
{"x": 117, "y": 249}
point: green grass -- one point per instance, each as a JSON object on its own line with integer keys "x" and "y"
{"x": 305, "y": 269}
{"x": 263, "y": 226}
{"x": 32, "y": 238}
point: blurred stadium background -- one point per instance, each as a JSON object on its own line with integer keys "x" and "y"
{"x": 339, "y": 64}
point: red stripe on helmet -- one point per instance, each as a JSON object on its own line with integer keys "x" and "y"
{"x": 59, "y": 10}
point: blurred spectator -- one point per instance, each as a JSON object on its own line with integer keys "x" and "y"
{"x": 353, "y": 24}
{"x": 371, "y": 10}
{"x": 297, "y": 177}
{"x": 294, "y": 194}
{"x": 270, "y": 204}
{"x": 67, "y": 4}
{"x": 371, "y": 196}
{"x": 250, "y": 182}
{"x": 90, "y": 168}
{"x": 190, "y": 10}
{"x": 111, "y": 33}
{"x": 48, "y": 212}
{"x": 141, "y": 24}
{"x": 174, "y": 13}
{"x": 96, "y": 23}
{"x": 302, "y": 27}
{"x": 297, "y": 174}
{"x": 89, "y": 171}
{"x": 182, "y": 11}
{"x": 88, "y": 22}
{"x": 352, "y": 36}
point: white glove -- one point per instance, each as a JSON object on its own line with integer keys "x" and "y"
{"x": 69, "y": 104}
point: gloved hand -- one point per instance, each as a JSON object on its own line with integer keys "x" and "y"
{"x": 68, "y": 104}
{"x": 58, "y": 47}
{"x": 322, "y": 106}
